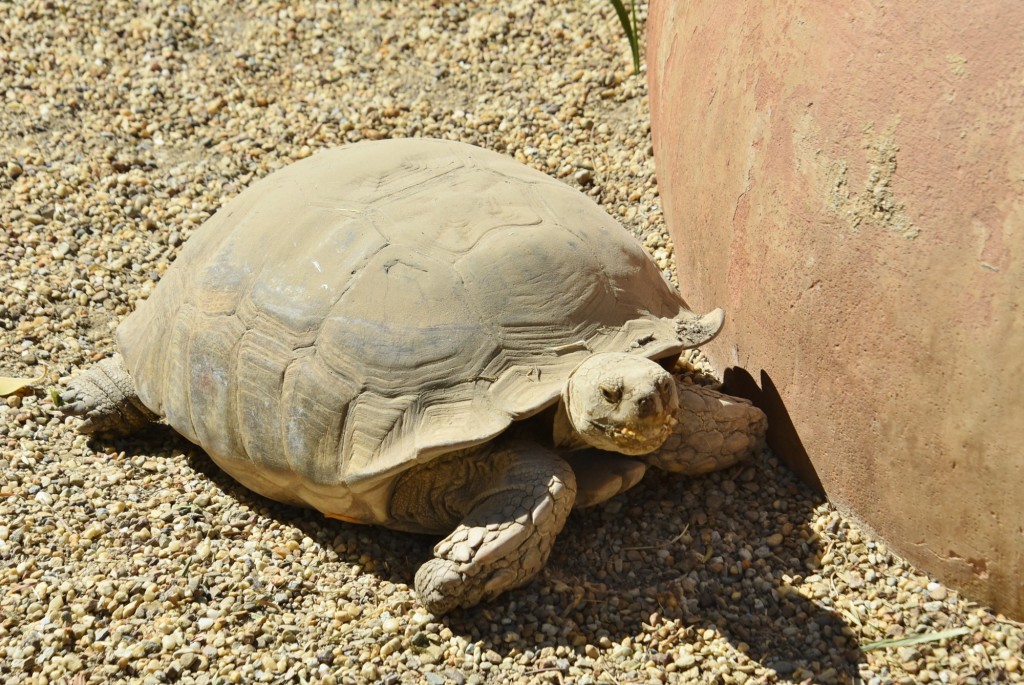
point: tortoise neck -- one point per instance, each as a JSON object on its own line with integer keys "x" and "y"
{"x": 563, "y": 434}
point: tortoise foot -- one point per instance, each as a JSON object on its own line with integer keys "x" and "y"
{"x": 104, "y": 398}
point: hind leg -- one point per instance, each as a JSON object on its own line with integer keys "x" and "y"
{"x": 104, "y": 398}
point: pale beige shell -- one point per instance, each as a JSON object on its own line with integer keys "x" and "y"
{"x": 382, "y": 303}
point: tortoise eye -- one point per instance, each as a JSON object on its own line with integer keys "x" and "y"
{"x": 611, "y": 393}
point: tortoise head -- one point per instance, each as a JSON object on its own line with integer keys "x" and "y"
{"x": 621, "y": 402}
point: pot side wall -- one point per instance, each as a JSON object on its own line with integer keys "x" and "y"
{"x": 847, "y": 181}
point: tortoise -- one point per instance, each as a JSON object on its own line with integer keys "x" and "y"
{"x": 428, "y": 336}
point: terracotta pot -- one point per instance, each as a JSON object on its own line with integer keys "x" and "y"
{"x": 847, "y": 181}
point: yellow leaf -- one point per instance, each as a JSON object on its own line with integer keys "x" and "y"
{"x": 9, "y": 386}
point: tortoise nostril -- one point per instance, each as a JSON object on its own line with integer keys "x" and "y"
{"x": 612, "y": 394}
{"x": 647, "y": 406}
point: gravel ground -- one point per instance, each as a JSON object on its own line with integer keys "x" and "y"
{"x": 125, "y": 125}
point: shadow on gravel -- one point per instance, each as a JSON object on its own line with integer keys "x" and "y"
{"x": 782, "y": 434}
{"x": 650, "y": 578}
{"x": 647, "y": 605}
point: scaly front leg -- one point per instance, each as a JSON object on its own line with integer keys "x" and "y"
{"x": 714, "y": 432}
{"x": 509, "y": 502}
